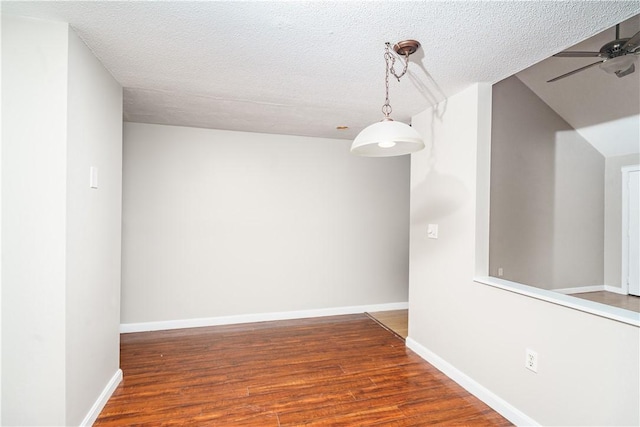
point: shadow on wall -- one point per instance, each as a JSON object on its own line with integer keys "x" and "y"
{"x": 437, "y": 195}
{"x": 427, "y": 87}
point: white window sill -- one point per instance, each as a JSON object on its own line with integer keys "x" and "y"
{"x": 602, "y": 310}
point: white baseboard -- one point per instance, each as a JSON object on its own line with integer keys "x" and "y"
{"x": 95, "y": 410}
{"x": 615, "y": 290}
{"x": 260, "y": 317}
{"x": 498, "y": 404}
{"x": 579, "y": 290}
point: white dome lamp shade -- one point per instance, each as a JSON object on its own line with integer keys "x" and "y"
{"x": 388, "y": 137}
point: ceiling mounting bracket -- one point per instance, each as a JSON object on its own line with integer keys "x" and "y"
{"x": 406, "y": 47}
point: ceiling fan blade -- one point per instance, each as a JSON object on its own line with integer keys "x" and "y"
{"x": 576, "y": 54}
{"x": 633, "y": 43}
{"x": 573, "y": 72}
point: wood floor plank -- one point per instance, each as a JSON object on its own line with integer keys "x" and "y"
{"x": 331, "y": 371}
{"x": 627, "y": 302}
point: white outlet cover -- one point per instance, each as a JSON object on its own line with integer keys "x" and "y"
{"x": 432, "y": 231}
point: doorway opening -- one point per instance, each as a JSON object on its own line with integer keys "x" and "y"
{"x": 396, "y": 321}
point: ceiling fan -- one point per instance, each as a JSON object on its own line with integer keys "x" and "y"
{"x": 617, "y": 57}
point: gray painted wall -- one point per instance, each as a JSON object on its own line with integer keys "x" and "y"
{"x": 93, "y": 230}
{"x": 589, "y": 366}
{"x": 62, "y": 112}
{"x": 547, "y": 195}
{"x": 220, "y": 223}
{"x": 34, "y": 118}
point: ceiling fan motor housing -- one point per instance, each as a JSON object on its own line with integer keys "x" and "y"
{"x": 613, "y": 49}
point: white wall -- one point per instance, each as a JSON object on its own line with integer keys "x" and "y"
{"x": 61, "y": 113}
{"x": 34, "y": 118}
{"x": 547, "y": 188}
{"x": 613, "y": 217}
{"x": 588, "y": 371}
{"x": 220, "y": 223}
{"x": 94, "y": 138}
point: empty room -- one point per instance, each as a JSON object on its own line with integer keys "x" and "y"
{"x": 354, "y": 213}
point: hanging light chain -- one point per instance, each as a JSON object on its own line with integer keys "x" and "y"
{"x": 390, "y": 61}
{"x": 386, "y": 108}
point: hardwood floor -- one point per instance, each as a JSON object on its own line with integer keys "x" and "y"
{"x": 628, "y": 302}
{"x": 395, "y": 320}
{"x": 331, "y": 371}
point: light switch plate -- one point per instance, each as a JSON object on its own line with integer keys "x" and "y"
{"x": 93, "y": 177}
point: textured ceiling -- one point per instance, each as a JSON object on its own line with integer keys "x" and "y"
{"x": 305, "y": 67}
{"x": 605, "y": 109}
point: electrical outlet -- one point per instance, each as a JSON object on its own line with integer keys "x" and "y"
{"x": 500, "y": 272}
{"x": 531, "y": 360}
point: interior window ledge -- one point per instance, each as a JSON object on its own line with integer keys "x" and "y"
{"x": 595, "y": 308}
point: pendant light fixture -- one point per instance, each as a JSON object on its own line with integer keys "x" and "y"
{"x": 388, "y": 137}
